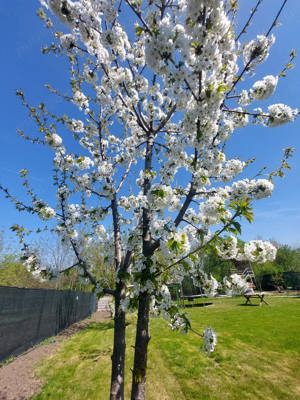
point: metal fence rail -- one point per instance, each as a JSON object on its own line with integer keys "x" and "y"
{"x": 28, "y": 316}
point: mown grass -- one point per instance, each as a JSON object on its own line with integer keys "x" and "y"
{"x": 257, "y": 357}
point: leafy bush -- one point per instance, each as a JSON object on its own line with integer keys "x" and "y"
{"x": 13, "y": 273}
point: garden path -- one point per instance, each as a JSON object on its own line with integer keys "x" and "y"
{"x": 18, "y": 380}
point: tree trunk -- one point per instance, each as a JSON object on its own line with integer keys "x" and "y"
{"x": 142, "y": 338}
{"x": 118, "y": 357}
{"x": 141, "y": 349}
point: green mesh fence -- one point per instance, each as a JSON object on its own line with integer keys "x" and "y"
{"x": 28, "y": 316}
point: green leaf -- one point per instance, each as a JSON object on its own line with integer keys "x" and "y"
{"x": 159, "y": 193}
{"x": 237, "y": 226}
{"x": 185, "y": 265}
{"x": 23, "y": 173}
{"x": 139, "y": 30}
{"x": 174, "y": 245}
{"x": 194, "y": 45}
{"x": 222, "y": 88}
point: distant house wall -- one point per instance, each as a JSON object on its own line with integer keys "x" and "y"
{"x": 28, "y": 316}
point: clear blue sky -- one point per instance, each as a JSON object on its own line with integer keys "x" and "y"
{"x": 23, "y": 66}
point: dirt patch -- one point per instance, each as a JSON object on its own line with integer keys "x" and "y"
{"x": 18, "y": 380}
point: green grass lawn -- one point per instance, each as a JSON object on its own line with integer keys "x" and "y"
{"x": 257, "y": 357}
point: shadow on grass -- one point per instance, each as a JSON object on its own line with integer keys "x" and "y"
{"x": 248, "y": 305}
{"x": 102, "y": 326}
{"x": 197, "y": 305}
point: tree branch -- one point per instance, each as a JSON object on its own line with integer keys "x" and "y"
{"x": 202, "y": 247}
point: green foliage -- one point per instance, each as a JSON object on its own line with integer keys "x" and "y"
{"x": 243, "y": 208}
{"x": 70, "y": 280}
{"x": 216, "y": 266}
{"x": 102, "y": 267}
{"x": 13, "y": 273}
{"x": 175, "y": 245}
{"x": 139, "y": 30}
{"x": 287, "y": 260}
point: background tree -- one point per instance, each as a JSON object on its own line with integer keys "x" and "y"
{"x": 144, "y": 168}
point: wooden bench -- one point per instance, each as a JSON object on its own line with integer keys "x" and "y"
{"x": 260, "y": 296}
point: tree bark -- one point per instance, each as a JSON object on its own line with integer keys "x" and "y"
{"x": 141, "y": 349}
{"x": 118, "y": 356}
{"x": 142, "y": 330}
{"x": 119, "y": 346}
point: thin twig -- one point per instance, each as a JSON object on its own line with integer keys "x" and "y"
{"x": 253, "y": 11}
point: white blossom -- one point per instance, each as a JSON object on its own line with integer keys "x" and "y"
{"x": 228, "y": 249}
{"x": 263, "y": 89}
{"x": 54, "y": 140}
{"x": 281, "y": 114}
{"x": 210, "y": 340}
{"x": 45, "y": 212}
{"x": 245, "y": 98}
{"x": 84, "y": 162}
{"x": 76, "y": 125}
{"x": 235, "y": 285}
{"x": 257, "y": 189}
{"x": 259, "y": 251}
{"x": 68, "y": 41}
{"x": 257, "y": 51}
{"x": 81, "y": 100}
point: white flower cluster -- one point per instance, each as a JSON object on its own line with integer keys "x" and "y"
{"x": 76, "y": 125}
{"x": 214, "y": 210}
{"x": 162, "y": 196}
{"x": 228, "y": 249}
{"x": 30, "y": 263}
{"x": 164, "y": 302}
{"x": 175, "y": 244}
{"x": 81, "y": 100}
{"x": 210, "y": 340}
{"x": 263, "y": 89}
{"x": 54, "y": 140}
{"x": 67, "y": 41}
{"x": 257, "y": 51}
{"x": 101, "y": 233}
{"x": 44, "y": 212}
{"x": 239, "y": 118}
{"x": 210, "y": 285}
{"x": 260, "y": 251}
{"x": 47, "y": 213}
{"x": 178, "y": 323}
{"x": 256, "y": 189}
{"x": 256, "y": 250}
{"x": 84, "y": 162}
{"x": 201, "y": 279}
{"x": 231, "y": 169}
{"x": 280, "y": 114}
{"x": 235, "y": 285}
{"x": 105, "y": 169}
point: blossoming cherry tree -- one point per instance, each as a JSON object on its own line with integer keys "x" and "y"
{"x": 141, "y": 164}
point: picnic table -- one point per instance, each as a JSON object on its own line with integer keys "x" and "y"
{"x": 249, "y": 296}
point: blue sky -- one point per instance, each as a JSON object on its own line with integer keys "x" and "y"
{"x": 23, "y": 66}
